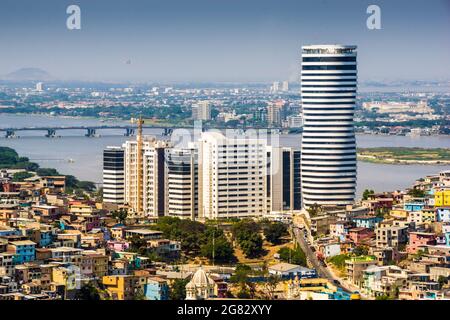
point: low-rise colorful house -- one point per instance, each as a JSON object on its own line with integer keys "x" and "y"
{"x": 355, "y": 267}
{"x": 360, "y": 235}
{"x": 156, "y": 288}
{"x": 368, "y": 222}
{"x": 339, "y": 229}
{"x": 117, "y": 245}
{"x": 329, "y": 249}
{"x": 442, "y": 197}
{"x": 383, "y": 281}
{"x": 418, "y": 240}
{"x": 443, "y": 214}
{"x": 121, "y": 287}
{"x": 24, "y": 251}
{"x": 413, "y": 206}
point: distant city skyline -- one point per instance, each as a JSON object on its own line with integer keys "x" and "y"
{"x": 221, "y": 41}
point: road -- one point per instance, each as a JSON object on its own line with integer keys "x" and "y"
{"x": 322, "y": 271}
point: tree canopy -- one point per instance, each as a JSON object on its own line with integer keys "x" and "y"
{"x": 274, "y": 231}
{"x": 246, "y": 233}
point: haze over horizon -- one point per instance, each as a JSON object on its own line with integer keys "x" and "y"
{"x": 232, "y": 41}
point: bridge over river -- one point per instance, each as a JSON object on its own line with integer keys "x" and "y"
{"x": 91, "y": 131}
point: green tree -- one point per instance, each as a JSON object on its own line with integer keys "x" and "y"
{"x": 137, "y": 244}
{"x": 314, "y": 210}
{"x": 247, "y": 288}
{"x": 86, "y": 185}
{"x": 360, "y": 251}
{"x": 243, "y": 229}
{"x": 295, "y": 256}
{"x": 88, "y": 292}
{"x": 222, "y": 248}
{"x": 270, "y": 286}
{"x": 21, "y": 176}
{"x": 191, "y": 234}
{"x": 338, "y": 260}
{"x": 252, "y": 245}
{"x": 42, "y": 172}
{"x": 10, "y": 159}
{"x": 139, "y": 294}
{"x": 442, "y": 280}
{"x": 246, "y": 232}
{"x": 120, "y": 215}
{"x": 274, "y": 231}
{"x": 367, "y": 193}
{"x": 416, "y": 193}
{"x": 177, "y": 290}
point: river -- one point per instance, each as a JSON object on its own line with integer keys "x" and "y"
{"x": 86, "y": 153}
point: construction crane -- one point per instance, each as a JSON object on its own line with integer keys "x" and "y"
{"x": 139, "y": 165}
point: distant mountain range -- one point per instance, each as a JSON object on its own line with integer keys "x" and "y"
{"x": 26, "y": 74}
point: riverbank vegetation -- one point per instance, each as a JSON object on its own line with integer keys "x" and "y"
{"x": 402, "y": 155}
{"x": 10, "y": 159}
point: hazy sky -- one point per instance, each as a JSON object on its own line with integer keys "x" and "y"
{"x": 221, "y": 40}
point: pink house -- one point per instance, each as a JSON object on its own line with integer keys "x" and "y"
{"x": 118, "y": 245}
{"x": 360, "y": 235}
{"x": 420, "y": 239}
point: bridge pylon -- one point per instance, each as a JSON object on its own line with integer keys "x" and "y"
{"x": 91, "y": 132}
{"x": 51, "y": 133}
{"x": 129, "y": 132}
{"x": 10, "y": 134}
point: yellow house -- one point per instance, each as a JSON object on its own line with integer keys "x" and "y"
{"x": 120, "y": 287}
{"x": 428, "y": 215}
{"x": 99, "y": 265}
{"x": 442, "y": 198}
{"x": 81, "y": 209}
{"x": 399, "y": 213}
{"x": 64, "y": 276}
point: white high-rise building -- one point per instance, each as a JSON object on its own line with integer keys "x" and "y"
{"x": 232, "y": 173}
{"x": 295, "y": 121}
{"x": 285, "y": 86}
{"x": 39, "y": 87}
{"x": 113, "y": 175}
{"x": 328, "y": 93}
{"x": 201, "y": 111}
{"x": 153, "y": 176}
{"x": 275, "y": 87}
{"x": 275, "y": 111}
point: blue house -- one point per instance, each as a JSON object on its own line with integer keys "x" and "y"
{"x": 9, "y": 232}
{"x": 24, "y": 251}
{"x": 443, "y": 214}
{"x": 46, "y": 238}
{"x": 156, "y": 289}
{"x": 413, "y": 206}
{"x": 368, "y": 222}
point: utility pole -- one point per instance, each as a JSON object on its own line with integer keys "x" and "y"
{"x": 214, "y": 243}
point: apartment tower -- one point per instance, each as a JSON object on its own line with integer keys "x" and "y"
{"x": 182, "y": 183}
{"x": 113, "y": 175}
{"x": 151, "y": 193}
{"x": 328, "y": 146}
{"x": 283, "y": 187}
{"x": 232, "y": 173}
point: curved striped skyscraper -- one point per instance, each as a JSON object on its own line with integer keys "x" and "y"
{"x": 328, "y": 93}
